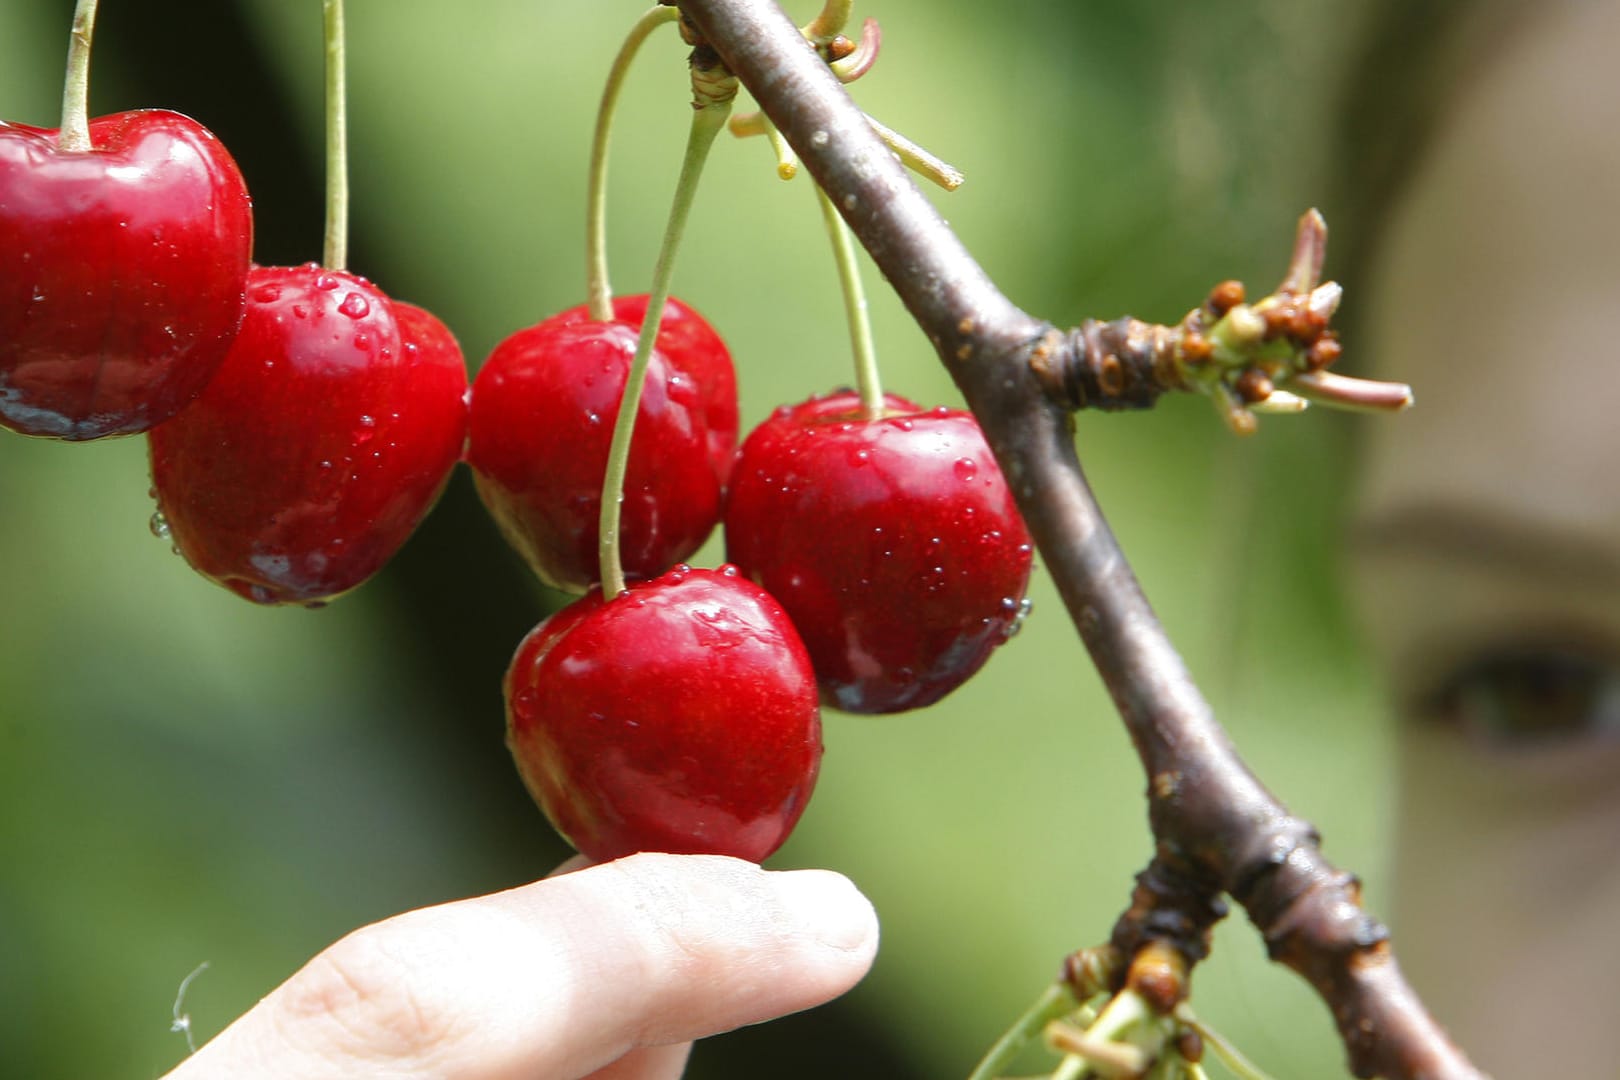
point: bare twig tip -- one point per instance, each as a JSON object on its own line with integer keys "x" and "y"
{"x": 1310, "y": 251}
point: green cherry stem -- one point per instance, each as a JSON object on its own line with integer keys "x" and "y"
{"x": 1054, "y": 1001}
{"x": 335, "y": 251}
{"x": 1229, "y": 1054}
{"x": 599, "y": 292}
{"x": 75, "y": 132}
{"x": 707, "y": 120}
{"x": 867, "y": 379}
{"x": 1071, "y": 1067}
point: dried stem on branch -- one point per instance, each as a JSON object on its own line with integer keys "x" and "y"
{"x": 1218, "y": 830}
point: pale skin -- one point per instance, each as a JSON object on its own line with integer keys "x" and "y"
{"x": 605, "y": 972}
{"x": 1489, "y": 519}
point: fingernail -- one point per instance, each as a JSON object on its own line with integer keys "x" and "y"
{"x": 828, "y": 905}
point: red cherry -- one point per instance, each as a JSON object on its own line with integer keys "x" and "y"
{"x": 687, "y": 339}
{"x": 543, "y": 408}
{"x": 324, "y": 439}
{"x": 893, "y": 544}
{"x": 679, "y": 716}
{"x": 122, "y": 269}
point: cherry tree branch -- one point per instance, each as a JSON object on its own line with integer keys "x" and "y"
{"x": 1218, "y": 830}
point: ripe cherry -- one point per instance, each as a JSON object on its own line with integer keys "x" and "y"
{"x": 122, "y": 270}
{"x": 679, "y": 716}
{"x": 893, "y": 543}
{"x": 319, "y": 446}
{"x": 693, "y": 346}
{"x": 543, "y": 407}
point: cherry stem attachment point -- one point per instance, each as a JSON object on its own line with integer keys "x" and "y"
{"x": 75, "y": 131}
{"x": 867, "y": 379}
{"x": 335, "y": 250}
{"x": 598, "y": 289}
{"x": 707, "y": 120}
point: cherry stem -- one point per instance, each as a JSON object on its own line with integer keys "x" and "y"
{"x": 707, "y": 121}
{"x": 867, "y": 379}
{"x": 75, "y": 131}
{"x": 1238, "y": 1065}
{"x": 599, "y": 291}
{"x": 335, "y": 252}
{"x": 1055, "y": 1001}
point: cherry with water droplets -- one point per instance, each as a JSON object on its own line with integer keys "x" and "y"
{"x": 543, "y": 407}
{"x": 892, "y": 541}
{"x": 122, "y": 269}
{"x": 680, "y": 716}
{"x": 324, "y": 439}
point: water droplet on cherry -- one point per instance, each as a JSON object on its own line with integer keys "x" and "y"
{"x": 1021, "y": 610}
{"x": 159, "y": 525}
{"x": 355, "y": 306}
{"x": 966, "y": 469}
{"x": 326, "y": 282}
{"x": 526, "y": 704}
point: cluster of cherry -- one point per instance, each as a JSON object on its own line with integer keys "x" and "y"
{"x": 874, "y": 563}
{"x": 301, "y": 424}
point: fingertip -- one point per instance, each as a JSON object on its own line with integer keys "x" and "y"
{"x": 829, "y": 907}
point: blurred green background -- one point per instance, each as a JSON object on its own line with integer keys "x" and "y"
{"x": 184, "y": 777}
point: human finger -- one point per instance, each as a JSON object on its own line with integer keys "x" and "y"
{"x": 558, "y": 978}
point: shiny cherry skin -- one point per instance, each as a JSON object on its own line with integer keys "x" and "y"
{"x": 680, "y": 716}
{"x": 893, "y": 543}
{"x": 324, "y": 439}
{"x": 695, "y": 348}
{"x": 543, "y": 408}
{"x": 122, "y": 271}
